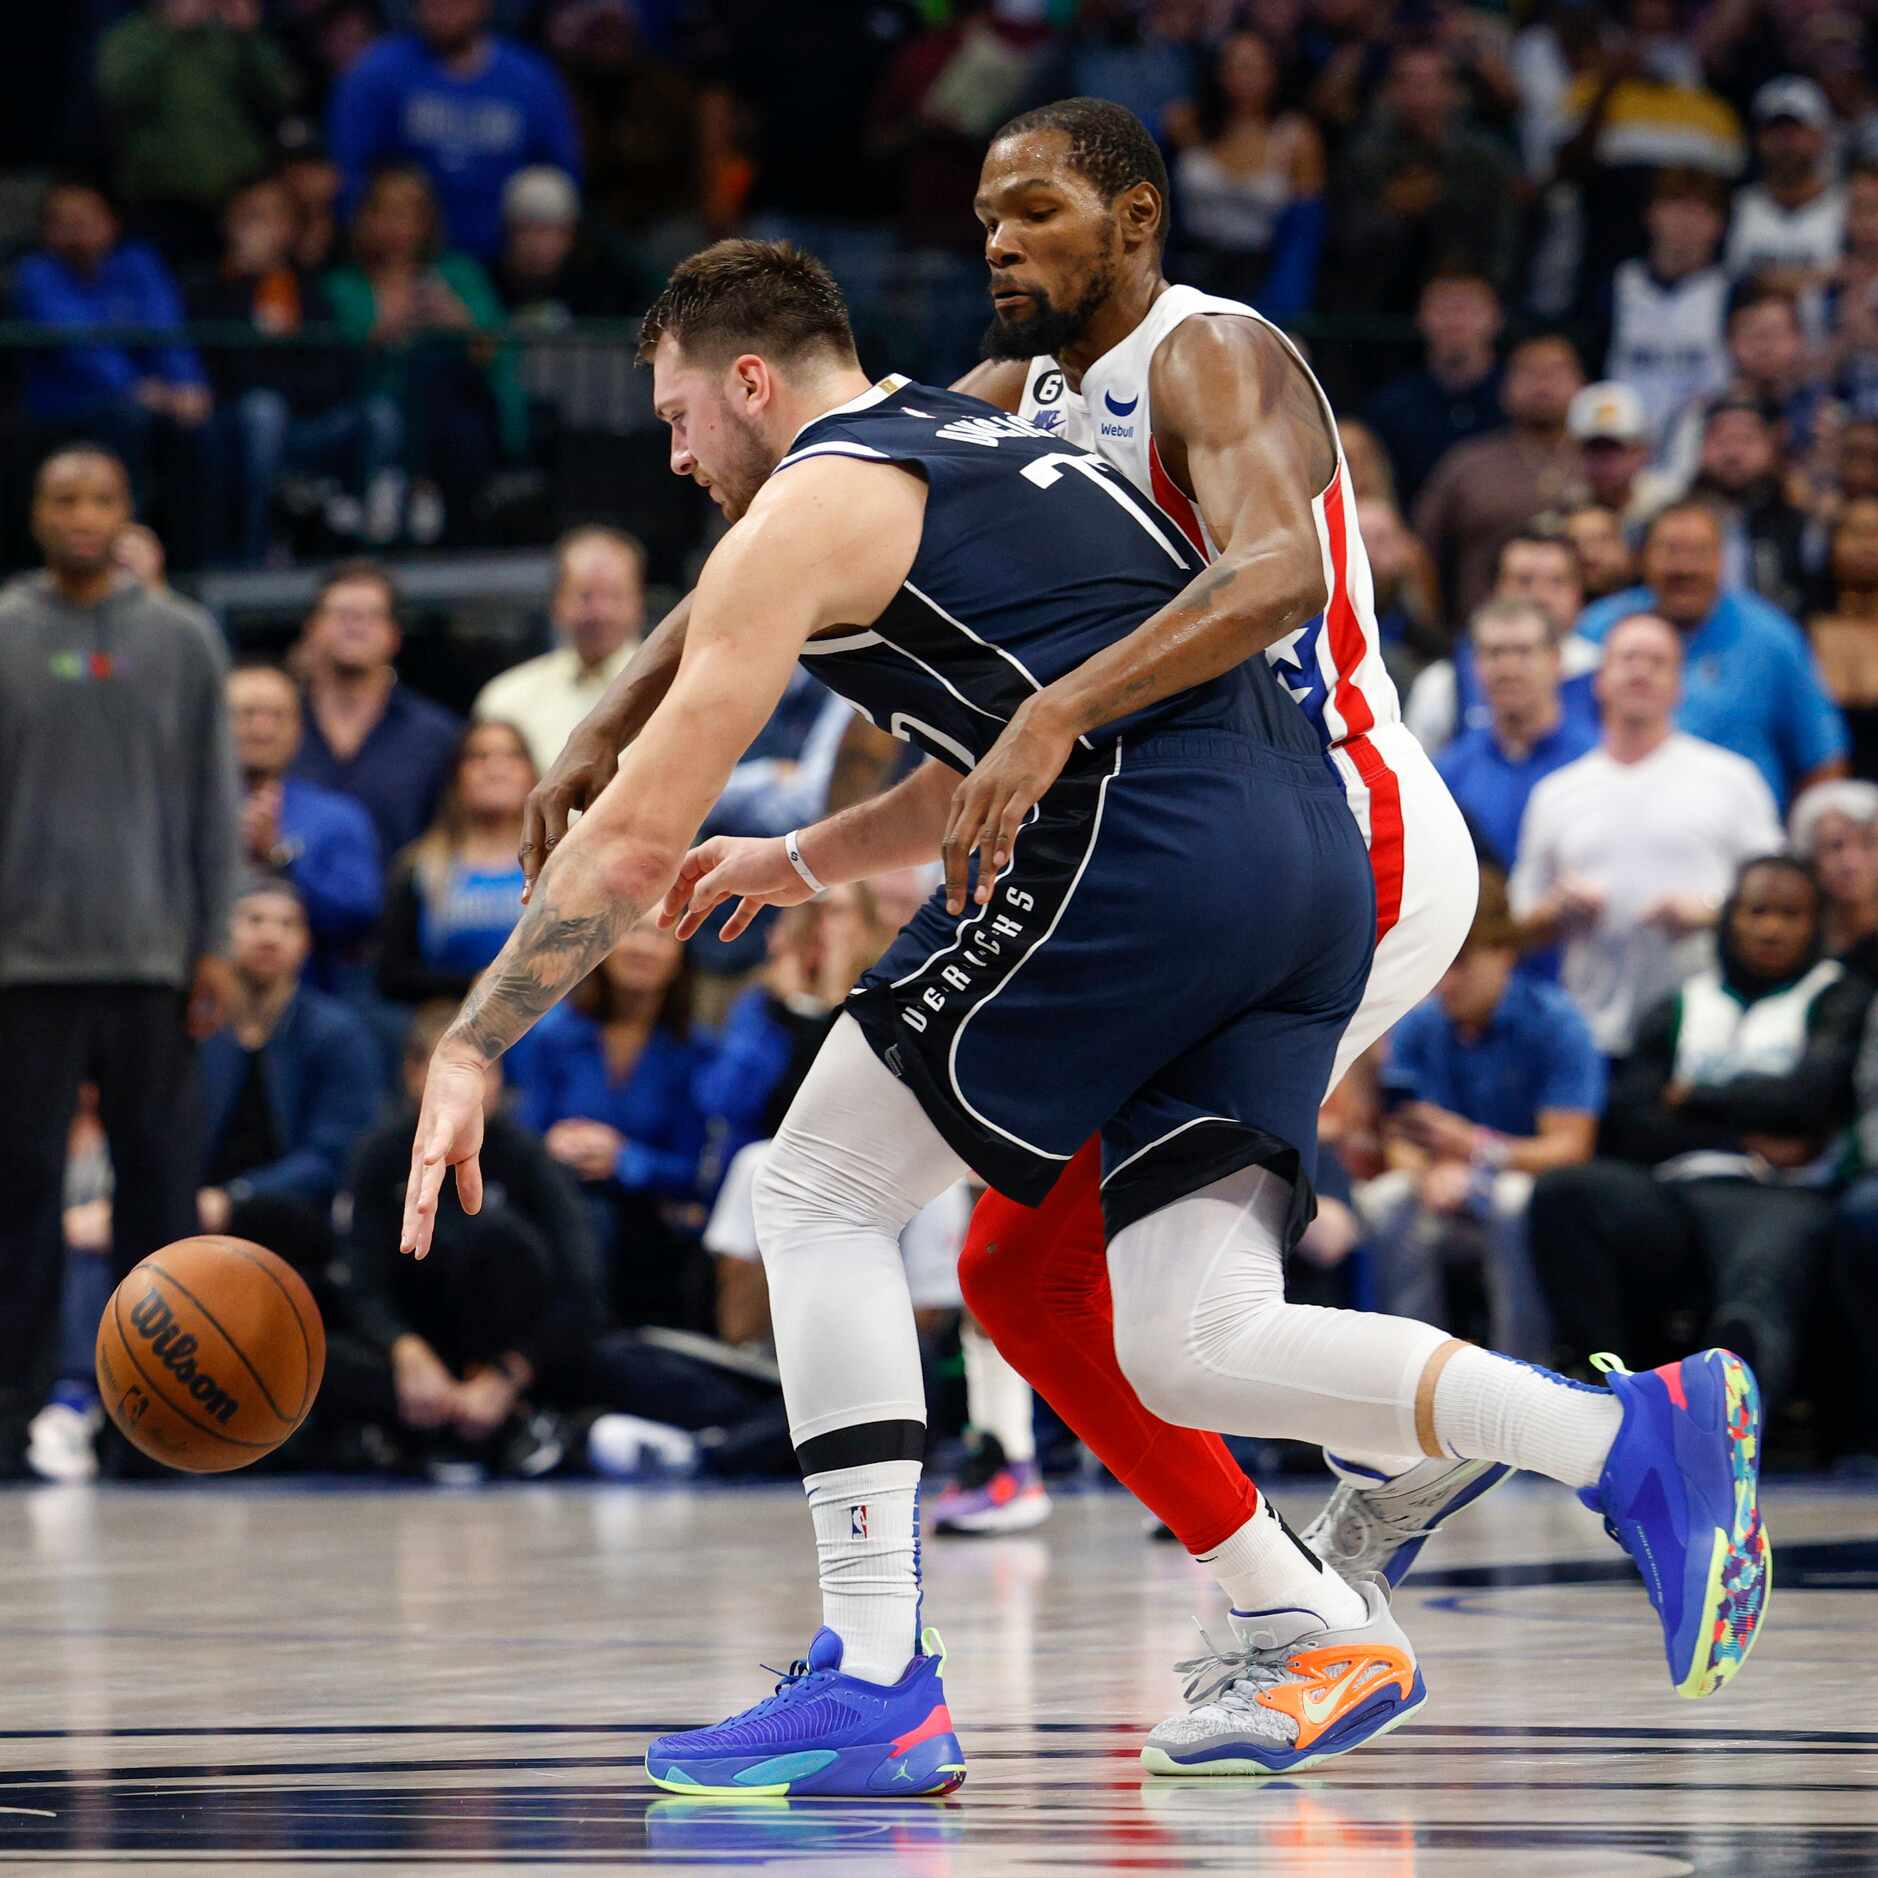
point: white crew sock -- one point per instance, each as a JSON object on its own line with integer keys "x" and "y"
{"x": 1490, "y": 1407}
{"x": 1262, "y": 1567}
{"x": 998, "y": 1401}
{"x": 867, "y": 1539}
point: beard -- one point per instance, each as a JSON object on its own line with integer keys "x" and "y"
{"x": 748, "y": 461}
{"x": 1046, "y": 331}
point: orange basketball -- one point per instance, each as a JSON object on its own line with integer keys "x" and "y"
{"x": 210, "y": 1354}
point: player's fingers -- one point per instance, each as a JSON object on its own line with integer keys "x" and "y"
{"x": 1002, "y": 843}
{"x": 430, "y": 1175}
{"x": 986, "y": 846}
{"x": 956, "y": 848}
{"x": 690, "y": 872}
{"x": 408, "y": 1231}
{"x": 706, "y": 897}
{"x": 469, "y": 1184}
{"x": 739, "y": 921}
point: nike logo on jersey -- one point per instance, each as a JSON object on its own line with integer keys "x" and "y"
{"x": 1118, "y": 407}
{"x": 1047, "y": 420}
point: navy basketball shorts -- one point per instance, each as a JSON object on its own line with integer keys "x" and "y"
{"x": 1170, "y": 957}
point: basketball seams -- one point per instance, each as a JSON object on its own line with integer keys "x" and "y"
{"x": 130, "y": 1350}
{"x": 241, "y": 1356}
{"x": 240, "y": 1249}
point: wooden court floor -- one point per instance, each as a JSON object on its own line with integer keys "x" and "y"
{"x": 264, "y": 1679}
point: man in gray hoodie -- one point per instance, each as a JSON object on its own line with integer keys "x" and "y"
{"x": 117, "y": 853}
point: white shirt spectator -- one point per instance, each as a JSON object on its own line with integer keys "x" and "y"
{"x": 1763, "y": 234}
{"x": 1668, "y": 339}
{"x": 545, "y": 698}
{"x": 1678, "y": 823}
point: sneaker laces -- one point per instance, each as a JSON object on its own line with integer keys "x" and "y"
{"x": 790, "y": 1682}
{"x": 1231, "y": 1678}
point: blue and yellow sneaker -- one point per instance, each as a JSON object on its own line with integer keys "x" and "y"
{"x": 1680, "y": 1493}
{"x": 823, "y": 1732}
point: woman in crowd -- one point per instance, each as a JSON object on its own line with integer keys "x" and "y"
{"x": 1844, "y": 625}
{"x": 1723, "y": 1134}
{"x": 1249, "y": 184}
{"x": 455, "y": 891}
{"x": 609, "y": 1082}
{"x": 421, "y": 307}
{"x": 1835, "y": 828}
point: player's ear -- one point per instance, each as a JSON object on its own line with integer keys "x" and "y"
{"x": 1143, "y": 215}
{"x": 750, "y": 382}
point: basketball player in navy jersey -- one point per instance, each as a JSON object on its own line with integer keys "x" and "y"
{"x": 941, "y": 564}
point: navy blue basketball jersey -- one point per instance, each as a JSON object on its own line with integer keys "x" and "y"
{"x": 1033, "y": 558}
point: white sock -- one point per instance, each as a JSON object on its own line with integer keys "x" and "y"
{"x": 1262, "y": 1567}
{"x": 1490, "y": 1407}
{"x": 867, "y": 1539}
{"x": 998, "y": 1401}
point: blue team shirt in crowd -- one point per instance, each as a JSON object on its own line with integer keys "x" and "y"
{"x": 463, "y": 928}
{"x": 1577, "y": 689}
{"x": 398, "y": 104}
{"x": 1748, "y": 683}
{"x": 131, "y": 288}
{"x": 397, "y": 774}
{"x": 1536, "y": 1053}
{"x": 1492, "y": 787}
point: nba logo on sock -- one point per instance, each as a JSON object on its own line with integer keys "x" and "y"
{"x": 857, "y": 1521}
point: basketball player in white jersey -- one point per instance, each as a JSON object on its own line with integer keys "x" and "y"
{"x": 1217, "y": 419}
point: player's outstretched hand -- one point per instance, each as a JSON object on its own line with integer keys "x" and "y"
{"x": 589, "y": 760}
{"x": 753, "y": 870}
{"x": 989, "y": 805}
{"x": 449, "y": 1134}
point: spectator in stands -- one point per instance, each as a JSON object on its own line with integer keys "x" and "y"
{"x": 1417, "y": 187}
{"x": 1407, "y": 608}
{"x": 1722, "y": 1132}
{"x": 1249, "y": 185}
{"x": 420, "y": 307}
{"x": 1769, "y": 360}
{"x": 1456, "y": 394}
{"x": 1490, "y": 1082}
{"x": 1624, "y": 855}
{"x": 456, "y": 892}
{"x": 366, "y": 736}
{"x": 1534, "y": 568}
{"x": 599, "y": 611}
{"x": 1492, "y": 770}
{"x": 450, "y": 1351}
{"x": 1834, "y": 829}
{"x": 1740, "y": 472}
{"x": 1605, "y": 562}
{"x": 1791, "y": 222}
{"x": 1749, "y": 683}
{"x": 467, "y": 107}
{"x": 288, "y": 408}
{"x": 146, "y": 402}
{"x": 1857, "y": 466}
{"x": 1851, "y": 300}
{"x": 552, "y": 269}
{"x": 1606, "y": 422}
{"x": 1483, "y": 491}
{"x": 1844, "y": 628}
{"x": 322, "y": 843}
{"x": 637, "y": 119}
{"x": 192, "y": 91}
{"x": 117, "y": 789}
{"x": 608, "y": 1082}
{"x": 311, "y": 177}
{"x": 1669, "y": 306}
{"x": 289, "y": 1084}
{"x": 1852, "y": 1273}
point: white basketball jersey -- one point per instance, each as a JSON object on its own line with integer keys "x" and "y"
{"x": 1332, "y": 666}
{"x": 1668, "y": 342}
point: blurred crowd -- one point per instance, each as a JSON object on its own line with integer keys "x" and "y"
{"x": 1595, "y": 290}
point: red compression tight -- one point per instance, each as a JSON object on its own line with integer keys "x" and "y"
{"x": 1037, "y": 1280}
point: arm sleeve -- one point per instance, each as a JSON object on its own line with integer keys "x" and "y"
{"x": 1812, "y": 1099}
{"x": 339, "y": 1111}
{"x": 215, "y": 827}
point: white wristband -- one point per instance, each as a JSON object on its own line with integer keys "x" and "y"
{"x": 792, "y": 847}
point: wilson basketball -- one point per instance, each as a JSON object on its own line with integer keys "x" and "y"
{"x": 210, "y": 1354}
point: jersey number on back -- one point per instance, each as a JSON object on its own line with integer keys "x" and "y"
{"x": 1047, "y": 471}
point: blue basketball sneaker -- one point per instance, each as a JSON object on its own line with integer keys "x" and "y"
{"x": 823, "y": 1732}
{"x": 1680, "y": 1493}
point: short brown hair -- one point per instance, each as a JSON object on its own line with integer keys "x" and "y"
{"x": 354, "y": 573}
{"x": 750, "y": 296}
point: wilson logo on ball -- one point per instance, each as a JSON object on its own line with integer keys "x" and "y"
{"x": 155, "y": 1322}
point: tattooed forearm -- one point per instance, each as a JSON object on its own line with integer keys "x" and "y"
{"x": 550, "y": 951}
